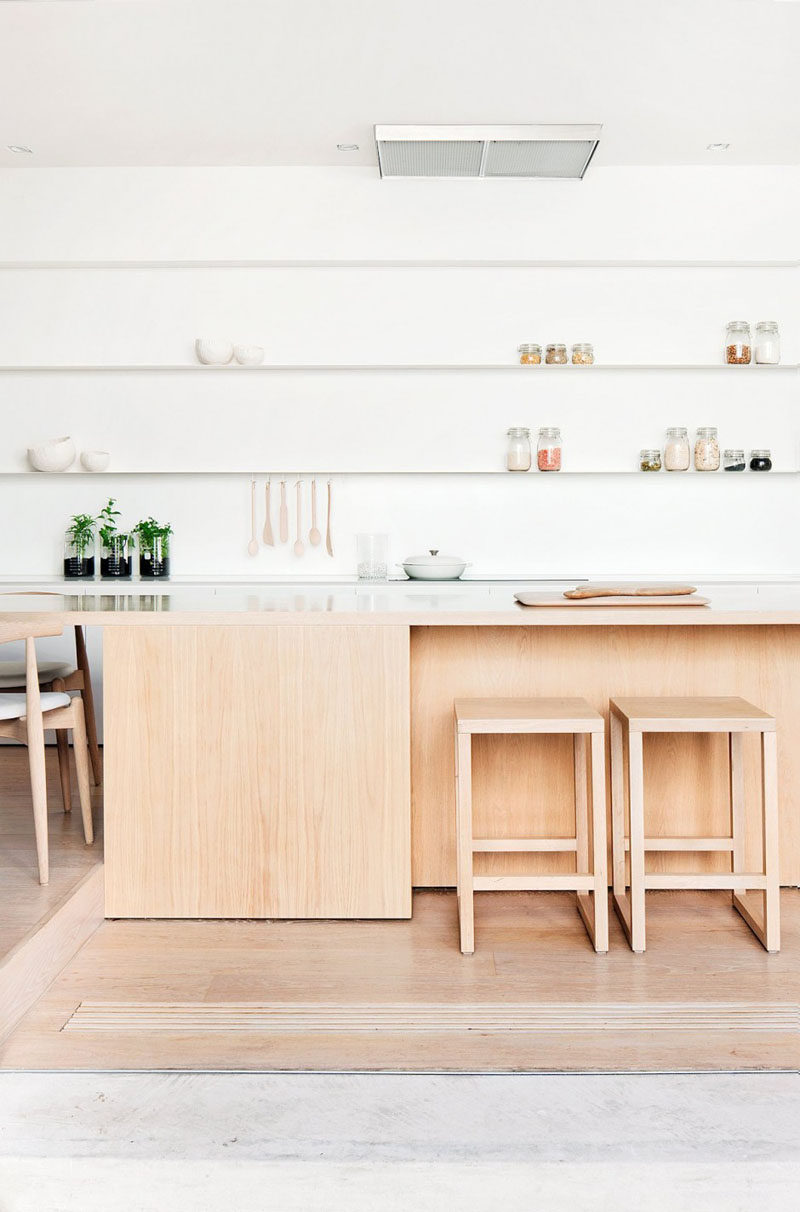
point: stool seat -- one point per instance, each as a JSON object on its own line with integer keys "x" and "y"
{"x": 693, "y": 713}
{"x": 547, "y": 715}
{"x": 12, "y": 673}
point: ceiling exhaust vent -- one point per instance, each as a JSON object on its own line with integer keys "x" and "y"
{"x": 486, "y": 151}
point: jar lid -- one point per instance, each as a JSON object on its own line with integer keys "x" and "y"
{"x": 556, "y": 345}
{"x": 760, "y": 454}
{"x": 706, "y": 431}
{"x": 770, "y": 324}
{"x": 529, "y": 348}
{"x": 582, "y": 347}
{"x": 518, "y": 432}
{"x": 553, "y": 432}
{"x": 733, "y": 453}
{"x": 739, "y": 325}
{"x": 650, "y": 454}
{"x": 677, "y": 431}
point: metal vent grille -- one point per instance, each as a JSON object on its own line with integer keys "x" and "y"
{"x": 486, "y": 151}
{"x": 519, "y": 158}
{"x": 434, "y": 158}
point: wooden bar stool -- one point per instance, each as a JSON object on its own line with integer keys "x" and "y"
{"x": 630, "y": 719}
{"x": 557, "y": 715}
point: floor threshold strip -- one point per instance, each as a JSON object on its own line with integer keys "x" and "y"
{"x": 297, "y": 1018}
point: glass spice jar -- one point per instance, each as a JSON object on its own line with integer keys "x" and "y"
{"x": 706, "y": 449}
{"x": 767, "y": 344}
{"x": 529, "y": 355}
{"x": 676, "y": 450}
{"x": 518, "y": 455}
{"x": 650, "y": 460}
{"x": 760, "y": 460}
{"x": 548, "y": 451}
{"x": 733, "y": 460}
{"x": 555, "y": 355}
{"x": 737, "y": 343}
{"x": 582, "y": 355}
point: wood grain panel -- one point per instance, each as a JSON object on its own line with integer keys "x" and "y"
{"x": 523, "y": 785}
{"x": 257, "y": 772}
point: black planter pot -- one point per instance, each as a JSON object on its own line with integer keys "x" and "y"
{"x": 116, "y": 568}
{"x": 152, "y": 569}
{"x": 79, "y": 569}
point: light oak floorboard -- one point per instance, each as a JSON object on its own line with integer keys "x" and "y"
{"x": 530, "y": 948}
{"x": 23, "y": 901}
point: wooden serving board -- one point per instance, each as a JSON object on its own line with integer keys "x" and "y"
{"x": 558, "y": 599}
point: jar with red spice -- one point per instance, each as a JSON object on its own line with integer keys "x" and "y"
{"x": 548, "y": 450}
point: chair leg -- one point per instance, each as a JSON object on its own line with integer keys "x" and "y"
{"x": 636, "y": 797}
{"x": 62, "y": 745}
{"x": 82, "y": 766}
{"x": 599, "y": 842}
{"x": 466, "y": 914}
{"x": 39, "y": 797}
{"x": 617, "y": 806}
{"x": 87, "y": 695}
{"x": 772, "y": 894}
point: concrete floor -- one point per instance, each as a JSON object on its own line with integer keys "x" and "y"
{"x": 301, "y": 1143}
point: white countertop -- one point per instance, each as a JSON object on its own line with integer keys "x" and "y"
{"x": 456, "y": 603}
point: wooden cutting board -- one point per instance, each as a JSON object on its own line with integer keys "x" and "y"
{"x": 629, "y": 590}
{"x": 558, "y": 599}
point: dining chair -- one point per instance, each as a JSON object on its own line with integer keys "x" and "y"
{"x": 24, "y": 716}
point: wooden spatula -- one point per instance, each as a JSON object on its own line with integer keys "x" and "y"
{"x": 630, "y": 591}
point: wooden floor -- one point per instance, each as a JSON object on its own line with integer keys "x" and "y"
{"x": 399, "y": 995}
{"x": 23, "y": 902}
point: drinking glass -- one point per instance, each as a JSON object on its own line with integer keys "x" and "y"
{"x": 372, "y": 557}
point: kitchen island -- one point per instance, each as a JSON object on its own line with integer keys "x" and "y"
{"x": 286, "y": 751}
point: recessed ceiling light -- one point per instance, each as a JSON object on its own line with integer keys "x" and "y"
{"x": 717, "y": 146}
{"x": 17, "y": 147}
{"x": 347, "y": 147}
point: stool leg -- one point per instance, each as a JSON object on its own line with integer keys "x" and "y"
{"x": 636, "y": 796}
{"x": 599, "y": 842}
{"x": 581, "y": 804}
{"x": 617, "y": 806}
{"x": 466, "y": 921}
{"x": 772, "y": 894}
{"x": 735, "y": 750}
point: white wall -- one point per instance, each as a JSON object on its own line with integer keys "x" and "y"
{"x": 221, "y": 420}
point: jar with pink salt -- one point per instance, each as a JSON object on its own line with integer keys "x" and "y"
{"x": 548, "y": 450}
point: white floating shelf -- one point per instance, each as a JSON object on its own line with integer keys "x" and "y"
{"x": 354, "y": 368}
{"x": 417, "y": 263}
{"x": 327, "y": 473}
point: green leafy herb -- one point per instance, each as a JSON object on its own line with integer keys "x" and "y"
{"x": 82, "y": 533}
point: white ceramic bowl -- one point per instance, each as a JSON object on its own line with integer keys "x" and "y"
{"x": 57, "y": 455}
{"x": 433, "y": 567}
{"x": 248, "y": 355}
{"x": 95, "y": 460}
{"x": 213, "y": 353}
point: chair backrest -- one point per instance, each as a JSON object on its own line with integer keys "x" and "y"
{"x": 27, "y": 628}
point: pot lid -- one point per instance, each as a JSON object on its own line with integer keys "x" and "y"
{"x": 432, "y": 559}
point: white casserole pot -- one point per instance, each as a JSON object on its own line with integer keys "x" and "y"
{"x": 433, "y": 567}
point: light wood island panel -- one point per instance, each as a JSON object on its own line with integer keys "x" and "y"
{"x": 257, "y": 772}
{"x": 523, "y": 785}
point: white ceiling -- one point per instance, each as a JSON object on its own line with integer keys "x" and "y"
{"x": 281, "y": 82}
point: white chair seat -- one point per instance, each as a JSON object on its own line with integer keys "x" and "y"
{"x": 12, "y": 706}
{"x": 12, "y": 673}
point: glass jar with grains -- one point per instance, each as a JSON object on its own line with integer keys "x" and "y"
{"x": 650, "y": 460}
{"x": 706, "y": 449}
{"x": 556, "y": 355}
{"x": 737, "y": 343}
{"x": 733, "y": 460}
{"x": 529, "y": 355}
{"x": 767, "y": 345}
{"x": 518, "y": 455}
{"x": 676, "y": 450}
{"x": 582, "y": 355}
{"x": 548, "y": 454}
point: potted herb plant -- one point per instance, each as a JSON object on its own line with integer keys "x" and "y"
{"x": 79, "y": 543}
{"x": 154, "y": 548}
{"x": 116, "y": 555}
